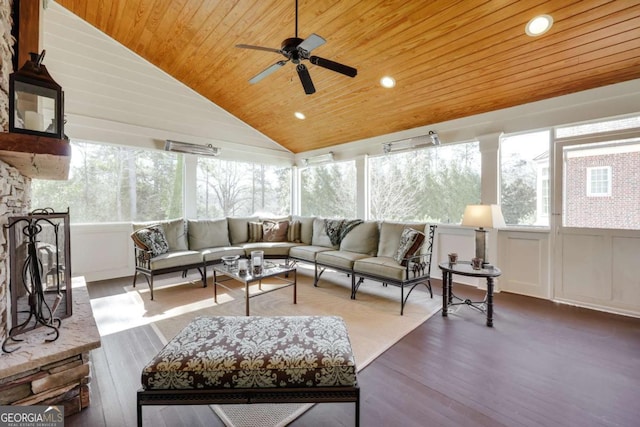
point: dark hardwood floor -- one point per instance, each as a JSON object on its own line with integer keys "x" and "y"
{"x": 542, "y": 364}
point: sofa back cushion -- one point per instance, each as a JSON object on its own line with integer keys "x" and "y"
{"x": 239, "y": 229}
{"x": 306, "y": 228}
{"x": 208, "y": 233}
{"x": 320, "y": 236}
{"x": 174, "y": 231}
{"x": 390, "y": 235}
{"x": 363, "y": 239}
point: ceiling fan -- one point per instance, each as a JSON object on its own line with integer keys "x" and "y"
{"x": 295, "y": 49}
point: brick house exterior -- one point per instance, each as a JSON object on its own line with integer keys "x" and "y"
{"x": 615, "y": 171}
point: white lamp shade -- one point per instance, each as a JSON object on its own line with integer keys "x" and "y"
{"x": 484, "y": 216}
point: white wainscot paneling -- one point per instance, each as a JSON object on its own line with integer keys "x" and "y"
{"x": 524, "y": 261}
{"x": 600, "y": 270}
{"x": 626, "y": 273}
{"x": 101, "y": 251}
{"x": 586, "y": 269}
{"x": 453, "y": 238}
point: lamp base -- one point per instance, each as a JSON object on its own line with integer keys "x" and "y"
{"x": 481, "y": 245}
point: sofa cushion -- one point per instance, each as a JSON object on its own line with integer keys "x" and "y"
{"x": 239, "y": 228}
{"x": 306, "y": 228}
{"x": 339, "y": 259}
{"x": 410, "y": 242}
{"x": 255, "y": 231}
{"x": 320, "y": 236}
{"x": 363, "y": 238}
{"x": 211, "y": 255}
{"x": 176, "y": 259}
{"x": 294, "y": 233}
{"x": 176, "y": 233}
{"x": 275, "y": 231}
{"x": 307, "y": 253}
{"x": 151, "y": 239}
{"x": 381, "y": 267}
{"x": 270, "y": 249}
{"x": 208, "y": 233}
{"x": 390, "y": 234}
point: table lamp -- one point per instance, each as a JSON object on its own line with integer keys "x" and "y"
{"x": 482, "y": 217}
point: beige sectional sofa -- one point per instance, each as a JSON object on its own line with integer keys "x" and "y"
{"x": 377, "y": 250}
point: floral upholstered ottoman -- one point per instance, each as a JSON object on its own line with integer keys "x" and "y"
{"x": 253, "y": 360}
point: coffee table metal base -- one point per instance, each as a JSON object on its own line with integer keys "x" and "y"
{"x": 280, "y": 273}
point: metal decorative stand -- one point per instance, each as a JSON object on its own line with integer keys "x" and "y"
{"x": 43, "y": 279}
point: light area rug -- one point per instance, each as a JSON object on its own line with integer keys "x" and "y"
{"x": 373, "y": 321}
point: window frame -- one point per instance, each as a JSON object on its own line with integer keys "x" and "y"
{"x": 591, "y": 170}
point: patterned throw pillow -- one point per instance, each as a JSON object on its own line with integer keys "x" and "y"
{"x": 275, "y": 231}
{"x": 153, "y": 239}
{"x": 410, "y": 242}
{"x": 255, "y": 232}
{"x": 295, "y": 232}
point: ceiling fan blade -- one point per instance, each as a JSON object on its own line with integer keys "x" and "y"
{"x": 267, "y": 71}
{"x": 334, "y": 66}
{"x": 268, "y": 49}
{"x": 311, "y": 42}
{"x": 305, "y": 79}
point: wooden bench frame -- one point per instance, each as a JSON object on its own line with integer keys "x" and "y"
{"x": 247, "y": 396}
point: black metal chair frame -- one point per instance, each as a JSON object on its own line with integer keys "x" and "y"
{"x": 143, "y": 266}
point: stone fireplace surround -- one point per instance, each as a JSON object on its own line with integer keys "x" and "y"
{"x": 38, "y": 373}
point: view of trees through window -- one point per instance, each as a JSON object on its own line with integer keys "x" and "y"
{"x": 112, "y": 184}
{"x": 433, "y": 184}
{"x": 524, "y": 178}
{"x": 329, "y": 190}
{"x": 227, "y": 188}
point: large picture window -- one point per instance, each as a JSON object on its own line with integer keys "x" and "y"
{"x": 433, "y": 184}
{"x": 112, "y": 184}
{"x": 524, "y": 178}
{"x": 228, "y": 188}
{"x": 329, "y": 190}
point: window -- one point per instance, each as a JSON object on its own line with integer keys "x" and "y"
{"x": 329, "y": 190}
{"x": 112, "y": 184}
{"x": 524, "y": 178}
{"x": 599, "y": 181}
{"x": 599, "y": 127}
{"x": 600, "y": 184}
{"x": 543, "y": 190}
{"x": 434, "y": 184}
{"x": 228, "y": 188}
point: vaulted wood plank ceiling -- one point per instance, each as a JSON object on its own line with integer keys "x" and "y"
{"x": 451, "y": 59}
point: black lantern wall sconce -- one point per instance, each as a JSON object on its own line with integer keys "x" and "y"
{"x": 36, "y": 101}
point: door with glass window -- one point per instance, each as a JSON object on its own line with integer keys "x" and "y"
{"x": 597, "y": 220}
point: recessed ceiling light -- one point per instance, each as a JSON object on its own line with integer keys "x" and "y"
{"x": 539, "y": 25}
{"x": 387, "y": 82}
{"x": 299, "y": 115}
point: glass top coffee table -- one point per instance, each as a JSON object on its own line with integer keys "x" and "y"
{"x": 280, "y": 273}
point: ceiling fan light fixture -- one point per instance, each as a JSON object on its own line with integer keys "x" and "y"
{"x": 539, "y": 25}
{"x": 299, "y": 115}
{"x": 387, "y": 82}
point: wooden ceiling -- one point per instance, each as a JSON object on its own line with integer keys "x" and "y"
{"x": 451, "y": 59}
